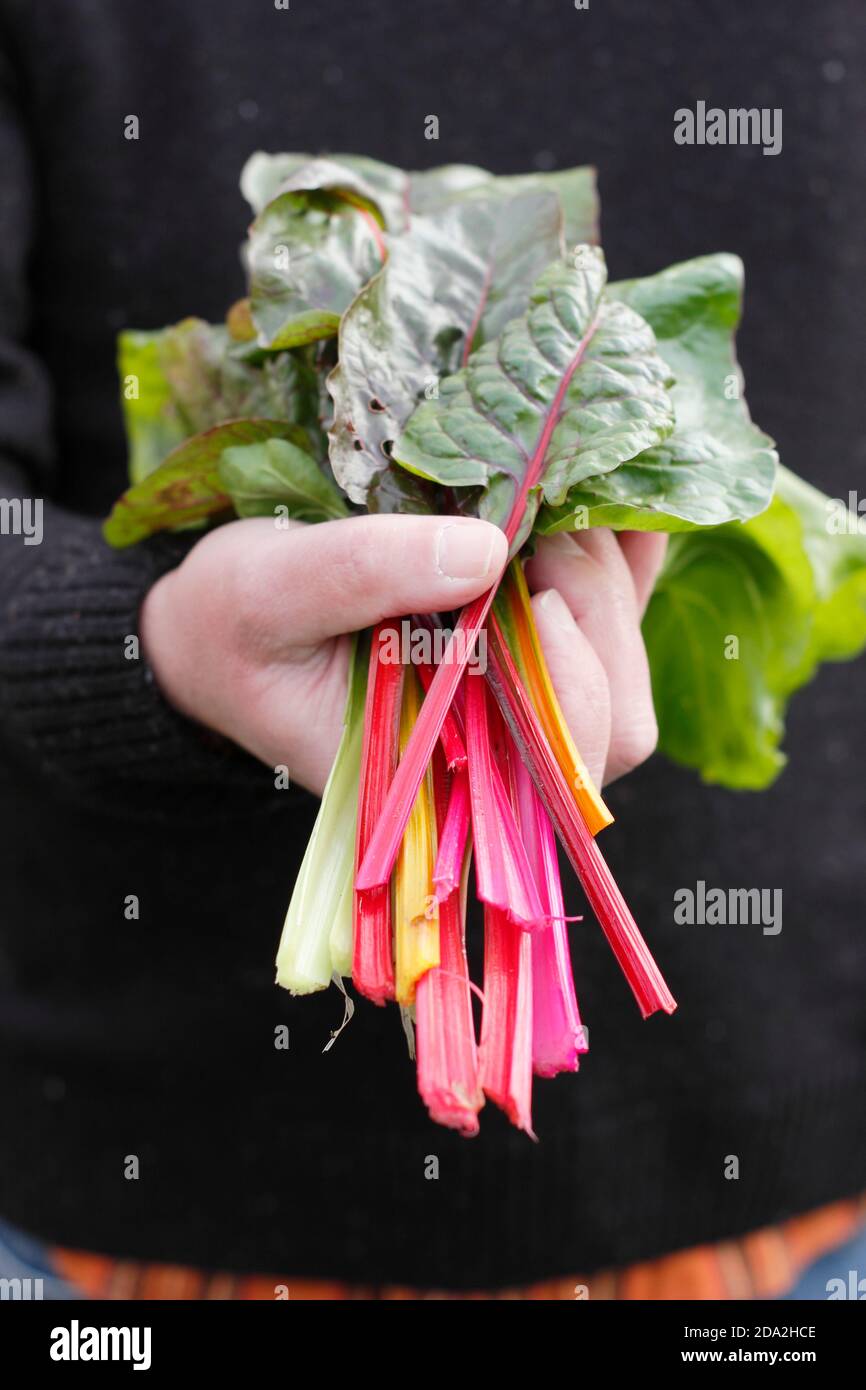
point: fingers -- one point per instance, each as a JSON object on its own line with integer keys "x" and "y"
{"x": 311, "y": 583}
{"x": 594, "y": 579}
{"x": 579, "y": 679}
{"x": 644, "y": 552}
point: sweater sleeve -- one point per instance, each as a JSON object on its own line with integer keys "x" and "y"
{"x": 77, "y": 701}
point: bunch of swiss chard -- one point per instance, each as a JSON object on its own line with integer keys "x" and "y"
{"x": 448, "y": 342}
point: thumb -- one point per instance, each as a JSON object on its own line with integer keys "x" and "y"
{"x": 340, "y": 576}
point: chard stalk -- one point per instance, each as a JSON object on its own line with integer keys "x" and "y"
{"x": 514, "y": 611}
{"x": 445, "y": 1031}
{"x": 372, "y": 952}
{"x": 505, "y": 1054}
{"x": 636, "y": 962}
{"x": 453, "y": 836}
{"x": 557, "y": 1033}
{"x": 316, "y": 939}
{"x": 416, "y": 911}
{"x": 503, "y": 874}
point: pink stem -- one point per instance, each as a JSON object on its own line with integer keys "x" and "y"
{"x": 557, "y": 1032}
{"x": 502, "y": 871}
{"x": 452, "y": 841}
{"x": 445, "y": 1031}
{"x": 608, "y": 904}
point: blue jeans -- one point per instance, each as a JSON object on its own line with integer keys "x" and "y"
{"x": 25, "y": 1257}
{"x": 815, "y": 1283}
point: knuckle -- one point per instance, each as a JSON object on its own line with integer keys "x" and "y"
{"x": 638, "y": 741}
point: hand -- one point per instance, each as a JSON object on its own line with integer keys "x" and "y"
{"x": 591, "y": 590}
{"x": 245, "y": 636}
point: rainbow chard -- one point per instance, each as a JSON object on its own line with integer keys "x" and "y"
{"x": 447, "y": 342}
{"x": 569, "y": 390}
{"x": 316, "y": 941}
{"x": 502, "y": 870}
{"x": 445, "y": 1032}
{"x": 604, "y": 897}
{"x": 557, "y": 1033}
{"x": 372, "y": 959}
{"x": 453, "y": 838}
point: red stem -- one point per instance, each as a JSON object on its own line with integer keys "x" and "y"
{"x": 372, "y": 952}
{"x": 608, "y": 904}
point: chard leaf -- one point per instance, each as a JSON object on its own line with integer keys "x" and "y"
{"x": 400, "y": 194}
{"x": 265, "y": 175}
{"x": 178, "y": 381}
{"x": 834, "y": 539}
{"x": 450, "y": 284}
{"x": 152, "y": 423}
{"x": 575, "y": 189}
{"x": 187, "y": 488}
{"x": 309, "y": 251}
{"x": 278, "y": 473}
{"x": 717, "y": 466}
{"x": 571, "y": 389}
{"x": 789, "y": 592}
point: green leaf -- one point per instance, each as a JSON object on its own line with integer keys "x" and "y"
{"x": 259, "y": 478}
{"x": 834, "y": 539}
{"x": 309, "y": 251}
{"x": 450, "y": 283}
{"x": 576, "y": 191}
{"x": 153, "y": 426}
{"x": 397, "y": 192}
{"x": 791, "y": 592}
{"x": 264, "y": 176}
{"x": 187, "y": 488}
{"x": 571, "y": 389}
{"x": 400, "y": 194}
{"x": 178, "y": 381}
{"x": 717, "y": 466}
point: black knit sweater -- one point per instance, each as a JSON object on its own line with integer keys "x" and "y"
{"x": 155, "y": 1036}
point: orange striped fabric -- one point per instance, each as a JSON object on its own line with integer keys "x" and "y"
{"x": 764, "y": 1264}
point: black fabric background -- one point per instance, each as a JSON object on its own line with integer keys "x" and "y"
{"x": 156, "y": 1038}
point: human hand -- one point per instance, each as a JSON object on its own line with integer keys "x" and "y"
{"x": 246, "y": 636}
{"x": 589, "y": 595}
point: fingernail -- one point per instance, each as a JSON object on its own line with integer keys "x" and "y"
{"x": 469, "y": 549}
{"x": 556, "y": 610}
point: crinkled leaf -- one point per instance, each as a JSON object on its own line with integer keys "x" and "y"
{"x": 401, "y": 193}
{"x": 187, "y": 487}
{"x": 265, "y": 175}
{"x": 181, "y": 380}
{"x": 572, "y": 388}
{"x": 449, "y": 285}
{"x": 309, "y": 251}
{"x": 717, "y": 466}
{"x": 575, "y": 189}
{"x": 740, "y": 617}
{"x": 259, "y": 478}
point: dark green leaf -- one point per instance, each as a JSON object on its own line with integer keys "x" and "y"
{"x": 309, "y": 251}
{"x": 451, "y": 283}
{"x": 717, "y": 466}
{"x": 571, "y": 389}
